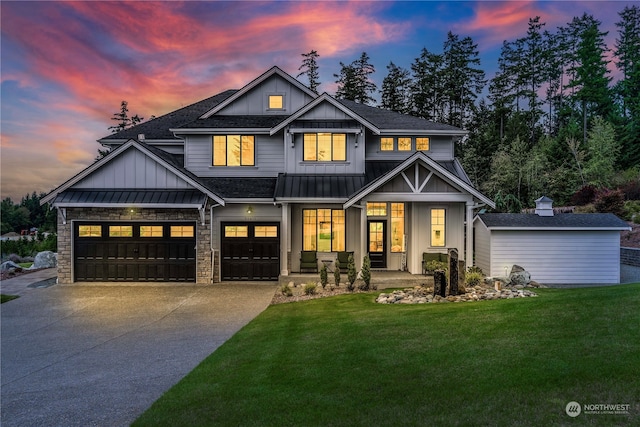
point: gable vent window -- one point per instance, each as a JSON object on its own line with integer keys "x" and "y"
{"x": 233, "y": 150}
{"x": 276, "y": 102}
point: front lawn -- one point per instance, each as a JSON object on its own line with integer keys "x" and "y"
{"x": 347, "y": 361}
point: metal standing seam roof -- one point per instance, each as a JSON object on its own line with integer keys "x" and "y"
{"x": 513, "y": 221}
{"x": 130, "y": 197}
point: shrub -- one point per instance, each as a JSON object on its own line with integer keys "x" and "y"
{"x": 436, "y": 265}
{"x": 336, "y": 273}
{"x": 631, "y": 190}
{"x": 366, "y": 273}
{"x": 352, "y": 274}
{"x": 310, "y": 288}
{"x": 610, "y": 201}
{"x": 631, "y": 211}
{"x": 286, "y": 290}
{"x": 473, "y": 278}
{"x": 324, "y": 279}
{"x": 585, "y": 195}
{"x": 590, "y": 208}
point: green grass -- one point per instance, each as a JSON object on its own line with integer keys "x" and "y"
{"x": 347, "y": 361}
{"x": 4, "y": 298}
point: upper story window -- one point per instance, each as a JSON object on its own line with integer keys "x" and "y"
{"x": 233, "y": 150}
{"x": 325, "y": 147}
{"x": 276, "y": 102}
{"x": 422, "y": 144}
{"x": 403, "y": 144}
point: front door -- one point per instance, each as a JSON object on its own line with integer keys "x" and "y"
{"x": 377, "y": 242}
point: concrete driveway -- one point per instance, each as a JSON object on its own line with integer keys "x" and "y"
{"x": 90, "y": 355}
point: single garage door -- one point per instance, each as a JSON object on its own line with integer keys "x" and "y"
{"x": 250, "y": 251}
{"x": 134, "y": 252}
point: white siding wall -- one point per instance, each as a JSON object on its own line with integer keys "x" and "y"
{"x": 562, "y": 257}
{"x": 133, "y": 169}
{"x": 440, "y": 148}
{"x": 255, "y": 101}
{"x": 421, "y": 232}
{"x": 482, "y": 251}
{"x": 269, "y": 157}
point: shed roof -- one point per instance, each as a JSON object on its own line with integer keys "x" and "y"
{"x": 130, "y": 197}
{"x": 569, "y": 221}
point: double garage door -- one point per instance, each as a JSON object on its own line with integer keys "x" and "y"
{"x": 135, "y": 252}
{"x": 250, "y": 251}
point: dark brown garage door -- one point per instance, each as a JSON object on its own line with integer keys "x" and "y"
{"x": 250, "y": 251}
{"x": 134, "y": 252}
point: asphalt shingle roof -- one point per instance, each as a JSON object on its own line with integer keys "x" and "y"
{"x": 158, "y": 128}
{"x": 235, "y": 122}
{"x": 386, "y": 119}
{"x": 569, "y": 220}
{"x": 241, "y": 188}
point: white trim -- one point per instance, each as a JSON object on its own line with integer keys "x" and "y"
{"x": 219, "y": 131}
{"x": 516, "y": 228}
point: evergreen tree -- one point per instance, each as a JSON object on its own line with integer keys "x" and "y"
{"x": 602, "y": 149}
{"x": 309, "y": 68}
{"x": 354, "y": 81}
{"x": 123, "y": 120}
{"x": 396, "y": 90}
{"x": 427, "y": 86}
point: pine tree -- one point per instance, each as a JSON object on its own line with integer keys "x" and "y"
{"x": 396, "y": 90}
{"x": 123, "y": 119}
{"x": 354, "y": 81}
{"x": 427, "y": 86}
{"x": 309, "y": 68}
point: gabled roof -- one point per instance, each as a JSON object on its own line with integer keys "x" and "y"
{"x": 159, "y": 128}
{"x": 569, "y": 221}
{"x": 256, "y": 82}
{"x": 458, "y": 178}
{"x": 325, "y": 97}
{"x": 157, "y": 155}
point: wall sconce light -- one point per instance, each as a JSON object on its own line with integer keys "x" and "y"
{"x": 249, "y": 210}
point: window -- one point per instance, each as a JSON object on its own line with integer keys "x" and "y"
{"x": 151, "y": 231}
{"x": 90, "y": 231}
{"x": 422, "y": 144}
{"x": 437, "y": 227}
{"x": 404, "y": 144}
{"x": 376, "y": 209}
{"x": 386, "y": 144}
{"x": 120, "y": 231}
{"x": 236, "y": 231}
{"x": 323, "y": 230}
{"x": 276, "y": 102}
{"x": 182, "y": 231}
{"x": 233, "y": 150}
{"x": 325, "y": 147}
{"x": 397, "y": 227}
{"x": 265, "y": 231}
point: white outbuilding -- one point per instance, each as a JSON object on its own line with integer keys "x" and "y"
{"x": 562, "y": 248}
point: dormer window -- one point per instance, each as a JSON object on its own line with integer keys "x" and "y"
{"x": 276, "y": 102}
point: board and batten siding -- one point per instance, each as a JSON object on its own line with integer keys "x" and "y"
{"x": 558, "y": 256}
{"x": 269, "y": 158}
{"x": 133, "y": 169}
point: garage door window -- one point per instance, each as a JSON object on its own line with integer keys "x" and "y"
{"x": 182, "y": 231}
{"x": 236, "y": 231}
{"x": 120, "y": 231}
{"x": 266, "y": 231}
{"x": 151, "y": 231}
{"x": 90, "y": 231}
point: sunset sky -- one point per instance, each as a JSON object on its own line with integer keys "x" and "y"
{"x": 66, "y": 66}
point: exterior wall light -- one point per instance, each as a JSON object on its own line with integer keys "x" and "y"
{"x": 249, "y": 210}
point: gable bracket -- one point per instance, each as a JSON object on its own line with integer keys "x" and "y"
{"x": 424, "y": 183}
{"x": 409, "y": 183}
{"x": 63, "y": 214}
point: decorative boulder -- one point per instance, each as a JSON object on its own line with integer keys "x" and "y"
{"x": 9, "y": 265}
{"x": 46, "y": 259}
{"x": 519, "y": 276}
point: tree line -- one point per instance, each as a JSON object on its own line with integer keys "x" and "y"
{"x": 552, "y": 121}
{"x": 26, "y": 215}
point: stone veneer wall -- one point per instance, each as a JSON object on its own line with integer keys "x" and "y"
{"x": 630, "y": 256}
{"x": 203, "y": 234}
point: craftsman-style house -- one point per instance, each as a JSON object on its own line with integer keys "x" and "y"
{"x": 239, "y": 185}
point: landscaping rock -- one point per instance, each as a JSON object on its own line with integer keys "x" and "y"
{"x": 46, "y": 259}
{"x": 422, "y": 295}
{"x": 9, "y": 266}
{"x": 519, "y": 276}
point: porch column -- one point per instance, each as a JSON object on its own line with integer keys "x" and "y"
{"x": 468, "y": 256}
{"x": 363, "y": 235}
{"x": 285, "y": 240}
